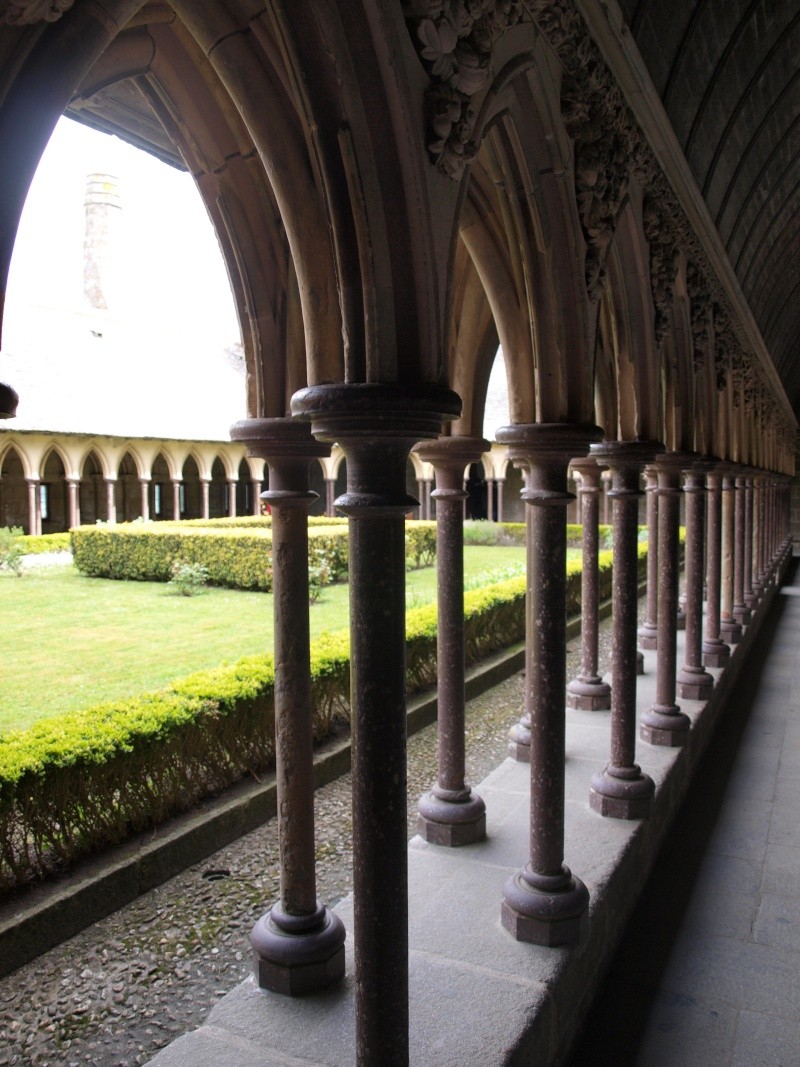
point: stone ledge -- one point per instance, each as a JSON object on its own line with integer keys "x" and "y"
{"x": 461, "y": 958}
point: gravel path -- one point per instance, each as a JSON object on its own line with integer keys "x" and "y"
{"x": 122, "y": 989}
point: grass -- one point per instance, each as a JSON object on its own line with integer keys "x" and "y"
{"x": 69, "y": 641}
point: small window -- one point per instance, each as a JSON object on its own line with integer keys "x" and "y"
{"x": 182, "y": 500}
{"x": 157, "y": 499}
{"x": 44, "y": 501}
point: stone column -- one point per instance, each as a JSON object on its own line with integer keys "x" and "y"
{"x": 544, "y": 903}
{"x": 715, "y": 652}
{"x": 664, "y": 723}
{"x": 750, "y": 598}
{"x": 500, "y": 486}
{"x": 111, "y": 500}
{"x": 34, "y": 506}
{"x": 256, "y": 485}
{"x": 621, "y": 790}
{"x": 299, "y": 944}
{"x": 451, "y": 814}
{"x": 205, "y": 498}
{"x": 729, "y": 630}
{"x": 427, "y": 499}
{"x": 144, "y": 487}
{"x": 73, "y": 505}
{"x": 232, "y": 483}
{"x": 588, "y": 691}
{"x": 519, "y": 736}
{"x": 490, "y": 484}
{"x": 648, "y": 631}
{"x": 176, "y": 499}
{"x": 377, "y": 425}
{"x": 695, "y": 683}
{"x": 741, "y": 612}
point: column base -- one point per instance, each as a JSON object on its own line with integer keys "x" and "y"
{"x": 742, "y": 614}
{"x": 730, "y": 631}
{"x": 716, "y": 653}
{"x": 694, "y": 683}
{"x": 648, "y": 636}
{"x": 666, "y": 726}
{"x": 622, "y": 793}
{"x": 751, "y": 600}
{"x": 680, "y": 620}
{"x": 294, "y": 955}
{"x": 545, "y": 910}
{"x": 452, "y": 822}
{"x": 640, "y": 663}
{"x": 589, "y": 694}
{"x": 519, "y": 740}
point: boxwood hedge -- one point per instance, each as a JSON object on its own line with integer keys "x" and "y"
{"x": 83, "y": 781}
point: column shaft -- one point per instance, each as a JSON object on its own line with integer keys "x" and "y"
{"x": 648, "y": 631}
{"x": 729, "y": 630}
{"x": 694, "y": 683}
{"x": 715, "y": 652}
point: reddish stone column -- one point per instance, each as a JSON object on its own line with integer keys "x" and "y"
{"x": 750, "y": 598}
{"x": 377, "y": 425}
{"x": 299, "y": 944}
{"x": 519, "y": 736}
{"x": 500, "y": 485}
{"x": 741, "y": 612}
{"x": 761, "y": 526}
{"x": 715, "y": 652}
{"x": 588, "y": 691}
{"x": 729, "y": 630}
{"x": 204, "y": 489}
{"x": 256, "y": 490}
{"x": 543, "y": 903}
{"x": 695, "y": 683}
{"x": 621, "y": 790}
{"x": 232, "y": 483}
{"x": 451, "y": 814}
{"x": 664, "y": 723}
{"x": 34, "y": 507}
{"x": 648, "y": 631}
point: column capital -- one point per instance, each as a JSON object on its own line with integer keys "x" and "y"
{"x": 590, "y": 471}
{"x": 289, "y": 448}
{"x": 546, "y": 449}
{"x": 449, "y": 456}
{"x": 633, "y": 454}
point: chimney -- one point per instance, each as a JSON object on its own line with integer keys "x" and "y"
{"x": 102, "y": 215}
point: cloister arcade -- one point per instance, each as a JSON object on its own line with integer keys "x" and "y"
{"x": 396, "y": 188}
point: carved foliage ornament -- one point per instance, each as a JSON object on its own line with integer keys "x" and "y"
{"x": 663, "y": 267}
{"x": 26, "y": 12}
{"x": 454, "y": 39}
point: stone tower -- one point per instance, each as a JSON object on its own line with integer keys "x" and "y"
{"x": 103, "y": 208}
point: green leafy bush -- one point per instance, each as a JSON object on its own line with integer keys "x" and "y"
{"x": 54, "y": 542}
{"x": 188, "y": 579}
{"x": 11, "y": 550}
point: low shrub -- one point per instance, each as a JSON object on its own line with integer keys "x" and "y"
{"x": 188, "y": 579}
{"x": 82, "y": 782}
{"x": 11, "y": 550}
{"x": 54, "y": 542}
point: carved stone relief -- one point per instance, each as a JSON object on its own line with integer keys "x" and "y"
{"x": 27, "y": 12}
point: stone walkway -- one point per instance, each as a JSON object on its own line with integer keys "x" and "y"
{"x": 122, "y": 989}
{"x": 709, "y": 972}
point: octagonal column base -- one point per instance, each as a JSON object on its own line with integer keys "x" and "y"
{"x": 640, "y": 663}
{"x": 519, "y": 740}
{"x": 694, "y": 683}
{"x": 545, "y": 910}
{"x": 298, "y": 955}
{"x": 716, "y": 653}
{"x": 730, "y": 631}
{"x": 680, "y": 618}
{"x": 452, "y": 822}
{"x": 589, "y": 694}
{"x": 666, "y": 726}
{"x": 648, "y": 636}
{"x": 622, "y": 793}
{"x": 742, "y": 614}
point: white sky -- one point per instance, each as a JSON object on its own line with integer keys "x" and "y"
{"x": 172, "y": 270}
{"x": 154, "y": 365}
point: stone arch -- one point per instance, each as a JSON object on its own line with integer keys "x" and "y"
{"x": 127, "y": 488}
{"x": 160, "y": 488}
{"x": 53, "y": 495}
{"x": 14, "y": 493}
{"x": 638, "y": 369}
{"x": 218, "y": 489}
{"x": 92, "y": 492}
{"x": 191, "y": 491}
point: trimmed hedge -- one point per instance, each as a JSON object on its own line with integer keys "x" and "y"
{"x": 38, "y": 543}
{"x": 81, "y": 782}
{"x": 237, "y": 558}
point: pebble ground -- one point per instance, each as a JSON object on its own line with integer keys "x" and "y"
{"x": 125, "y": 987}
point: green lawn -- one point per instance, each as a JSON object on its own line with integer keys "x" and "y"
{"x": 68, "y": 641}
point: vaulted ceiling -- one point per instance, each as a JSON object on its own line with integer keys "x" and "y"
{"x": 728, "y": 74}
